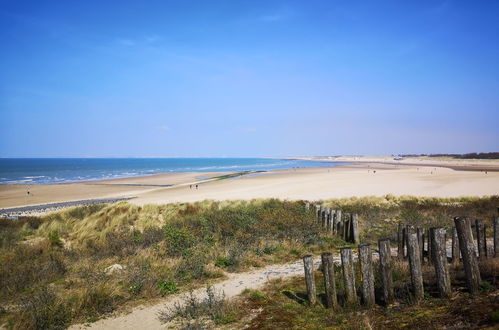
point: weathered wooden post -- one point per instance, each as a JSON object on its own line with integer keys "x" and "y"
{"x": 308, "y": 264}
{"x": 425, "y": 238}
{"x": 338, "y": 222}
{"x": 481, "y": 244}
{"x": 415, "y": 264}
{"x": 323, "y": 218}
{"x": 455, "y": 247}
{"x": 400, "y": 242}
{"x": 470, "y": 262}
{"x": 307, "y": 206}
{"x": 348, "y": 275}
{"x": 484, "y": 239}
{"x": 329, "y": 220}
{"x": 404, "y": 242}
{"x": 440, "y": 261}
{"x": 419, "y": 231}
{"x": 318, "y": 212}
{"x": 355, "y": 229}
{"x": 346, "y": 226}
{"x": 496, "y": 237}
{"x": 385, "y": 262}
{"x": 333, "y": 221}
{"x": 428, "y": 247}
{"x": 366, "y": 270}
{"x": 329, "y": 281}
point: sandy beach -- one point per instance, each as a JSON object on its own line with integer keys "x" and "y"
{"x": 366, "y": 177}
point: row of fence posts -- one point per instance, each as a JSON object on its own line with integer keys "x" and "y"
{"x": 410, "y": 240}
{"x": 336, "y": 222}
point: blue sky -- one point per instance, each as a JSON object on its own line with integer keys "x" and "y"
{"x": 247, "y": 78}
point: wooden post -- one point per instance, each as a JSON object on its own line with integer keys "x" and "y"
{"x": 329, "y": 281}
{"x": 323, "y": 218}
{"x": 440, "y": 261}
{"x": 308, "y": 264}
{"x": 400, "y": 242}
{"x": 346, "y": 227}
{"x": 470, "y": 262}
{"x": 318, "y": 212}
{"x": 484, "y": 241}
{"x": 482, "y": 247}
{"x": 307, "y": 206}
{"x": 419, "y": 231}
{"x": 455, "y": 247}
{"x": 355, "y": 229}
{"x": 338, "y": 222}
{"x": 366, "y": 270}
{"x": 415, "y": 265}
{"x": 496, "y": 237}
{"x": 404, "y": 242}
{"x": 328, "y": 222}
{"x": 348, "y": 275}
{"x": 385, "y": 262}
{"x": 428, "y": 247}
{"x": 333, "y": 221}
{"x": 424, "y": 240}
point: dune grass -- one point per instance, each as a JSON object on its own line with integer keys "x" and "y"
{"x": 55, "y": 269}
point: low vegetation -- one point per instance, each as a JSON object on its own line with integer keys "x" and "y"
{"x": 283, "y": 304}
{"x": 76, "y": 265}
{"x": 473, "y": 155}
{"x": 81, "y": 263}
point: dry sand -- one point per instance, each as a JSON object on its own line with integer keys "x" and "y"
{"x": 305, "y": 183}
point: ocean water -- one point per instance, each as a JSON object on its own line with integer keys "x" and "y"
{"x": 58, "y": 170}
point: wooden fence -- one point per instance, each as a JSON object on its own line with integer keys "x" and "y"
{"x": 417, "y": 246}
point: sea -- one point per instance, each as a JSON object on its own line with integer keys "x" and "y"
{"x": 62, "y": 170}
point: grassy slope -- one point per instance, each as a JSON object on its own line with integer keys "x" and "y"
{"x": 53, "y": 268}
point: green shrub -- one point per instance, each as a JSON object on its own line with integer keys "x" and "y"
{"x": 224, "y": 262}
{"x": 178, "y": 240}
{"x": 54, "y": 239}
{"x": 43, "y": 310}
{"x": 167, "y": 287}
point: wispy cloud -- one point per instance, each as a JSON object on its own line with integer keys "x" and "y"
{"x": 441, "y": 8}
{"x": 129, "y": 42}
{"x": 152, "y": 38}
{"x": 125, "y": 42}
{"x": 272, "y": 18}
{"x": 246, "y": 129}
{"x": 164, "y": 128}
{"x": 278, "y": 15}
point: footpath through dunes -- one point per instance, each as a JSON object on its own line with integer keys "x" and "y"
{"x": 147, "y": 317}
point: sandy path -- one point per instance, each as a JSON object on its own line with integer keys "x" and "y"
{"x": 147, "y": 317}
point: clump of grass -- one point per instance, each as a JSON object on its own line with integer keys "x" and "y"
{"x": 195, "y": 311}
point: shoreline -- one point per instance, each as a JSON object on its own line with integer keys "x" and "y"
{"x": 355, "y": 179}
